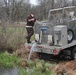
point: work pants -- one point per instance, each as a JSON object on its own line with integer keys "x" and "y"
{"x": 30, "y": 32}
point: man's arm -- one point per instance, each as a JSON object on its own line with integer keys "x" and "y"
{"x": 31, "y": 19}
{"x": 38, "y": 22}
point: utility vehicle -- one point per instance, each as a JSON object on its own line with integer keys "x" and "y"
{"x": 57, "y": 35}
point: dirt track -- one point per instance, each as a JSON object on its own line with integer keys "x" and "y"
{"x": 67, "y": 67}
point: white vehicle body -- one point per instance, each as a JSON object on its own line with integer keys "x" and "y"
{"x": 53, "y": 36}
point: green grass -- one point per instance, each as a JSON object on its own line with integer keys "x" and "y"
{"x": 8, "y": 61}
{"x": 22, "y": 71}
{"x": 37, "y": 67}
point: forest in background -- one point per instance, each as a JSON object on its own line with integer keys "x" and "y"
{"x": 17, "y": 10}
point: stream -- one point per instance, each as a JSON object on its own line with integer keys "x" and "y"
{"x": 12, "y": 71}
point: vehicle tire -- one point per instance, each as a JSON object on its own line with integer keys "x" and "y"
{"x": 65, "y": 54}
{"x": 70, "y": 35}
{"x": 73, "y": 53}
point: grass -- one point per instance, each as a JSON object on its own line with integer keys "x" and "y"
{"x": 12, "y": 37}
{"x": 37, "y": 67}
{"x": 8, "y": 61}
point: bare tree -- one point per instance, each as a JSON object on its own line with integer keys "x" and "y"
{"x": 45, "y": 6}
{"x": 14, "y": 10}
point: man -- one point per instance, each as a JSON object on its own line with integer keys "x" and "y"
{"x": 30, "y": 23}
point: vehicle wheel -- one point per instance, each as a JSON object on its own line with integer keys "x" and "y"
{"x": 73, "y": 53}
{"x": 70, "y": 35}
{"x": 66, "y": 54}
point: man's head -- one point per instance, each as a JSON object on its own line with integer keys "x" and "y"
{"x": 32, "y": 14}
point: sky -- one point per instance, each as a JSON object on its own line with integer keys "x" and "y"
{"x": 33, "y": 2}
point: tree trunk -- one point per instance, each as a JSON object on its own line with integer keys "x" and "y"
{"x": 52, "y": 4}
